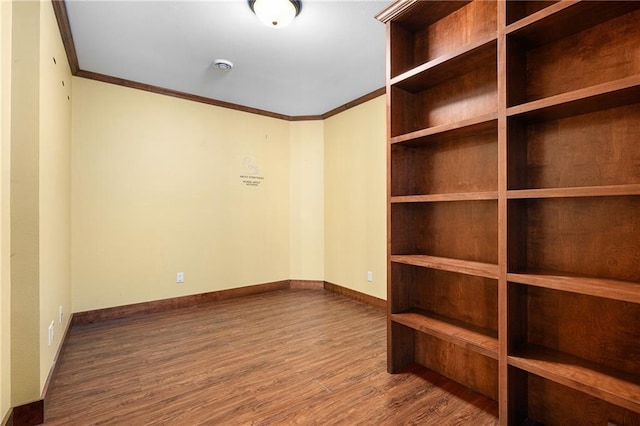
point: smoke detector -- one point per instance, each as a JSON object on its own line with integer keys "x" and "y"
{"x": 223, "y": 64}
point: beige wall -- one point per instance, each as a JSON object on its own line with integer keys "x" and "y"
{"x": 307, "y": 201}
{"x": 25, "y": 333}
{"x": 54, "y": 186}
{"x": 40, "y": 134}
{"x": 5, "y": 178}
{"x": 158, "y": 189}
{"x": 355, "y": 198}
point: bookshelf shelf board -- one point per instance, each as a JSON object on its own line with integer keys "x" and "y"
{"x": 473, "y": 338}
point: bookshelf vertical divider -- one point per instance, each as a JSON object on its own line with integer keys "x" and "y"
{"x": 513, "y": 203}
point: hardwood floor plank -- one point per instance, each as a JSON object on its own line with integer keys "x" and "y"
{"x": 295, "y": 356}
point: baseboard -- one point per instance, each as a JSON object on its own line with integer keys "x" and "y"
{"x": 54, "y": 367}
{"x": 306, "y": 284}
{"x": 356, "y": 295}
{"x": 88, "y": 317}
{"x": 30, "y": 414}
{"x": 125, "y": 311}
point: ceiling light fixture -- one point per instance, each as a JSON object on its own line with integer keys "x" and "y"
{"x": 223, "y": 64}
{"x": 275, "y": 13}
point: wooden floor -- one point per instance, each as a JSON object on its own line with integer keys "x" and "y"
{"x": 286, "y": 357}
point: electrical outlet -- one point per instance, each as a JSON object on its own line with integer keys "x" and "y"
{"x": 180, "y": 277}
{"x": 370, "y": 276}
{"x": 60, "y": 314}
{"x": 51, "y": 332}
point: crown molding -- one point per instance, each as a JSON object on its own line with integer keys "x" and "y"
{"x": 62, "y": 17}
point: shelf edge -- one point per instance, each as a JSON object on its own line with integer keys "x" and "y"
{"x": 434, "y": 64}
{"x": 578, "y": 191}
{"x": 624, "y": 291}
{"x": 430, "y": 326}
{"x": 592, "y": 93}
{"x": 481, "y": 120}
{"x": 480, "y": 269}
{"x": 457, "y": 196}
{"x": 575, "y": 377}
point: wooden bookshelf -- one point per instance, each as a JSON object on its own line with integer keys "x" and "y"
{"x": 514, "y": 200}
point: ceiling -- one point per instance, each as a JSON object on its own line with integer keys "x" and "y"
{"x": 332, "y": 53}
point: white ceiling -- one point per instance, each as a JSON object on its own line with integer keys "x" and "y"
{"x": 331, "y": 54}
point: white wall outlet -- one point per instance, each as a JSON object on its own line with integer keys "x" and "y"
{"x": 370, "y": 276}
{"x": 51, "y": 332}
{"x": 60, "y": 314}
{"x": 180, "y": 277}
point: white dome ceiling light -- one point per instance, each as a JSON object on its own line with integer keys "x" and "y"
{"x": 275, "y": 13}
{"x": 223, "y": 65}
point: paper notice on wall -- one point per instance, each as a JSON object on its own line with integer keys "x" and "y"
{"x": 251, "y": 174}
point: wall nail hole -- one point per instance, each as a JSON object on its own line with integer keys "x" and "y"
{"x": 62, "y": 82}
{"x": 54, "y": 60}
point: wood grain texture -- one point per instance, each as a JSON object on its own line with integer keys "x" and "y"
{"x": 579, "y": 191}
{"x": 487, "y": 270}
{"x": 602, "y": 331}
{"x": 451, "y": 196}
{"x": 308, "y": 284}
{"x": 415, "y": 14}
{"x": 466, "y": 230}
{"x": 586, "y": 343}
{"x": 425, "y": 30}
{"x": 600, "y": 54}
{"x": 467, "y": 298}
{"x": 609, "y": 385}
{"x": 465, "y": 26}
{"x": 449, "y": 65}
{"x": 450, "y": 131}
{"x": 560, "y": 100}
{"x": 463, "y": 165}
{"x": 565, "y": 18}
{"x": 597, "y": 149}
{"x": 29, "y": 414}
{"x": 402, "y": 53}
{"x": 356, "y": 295}
{"x": 517, "y": 10}
{"x": 465, "y": 366}
{"x": 553, "y": 404}
{"x": 581, "y": 236}
{"x": 284, "y": 357}
{"x": 460, "y": 334}
{"x": 463, "y": 98}
{"x": 599, "y": 97}
{"x": 624, "y": 291}
{"x": 517, "y": 401}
